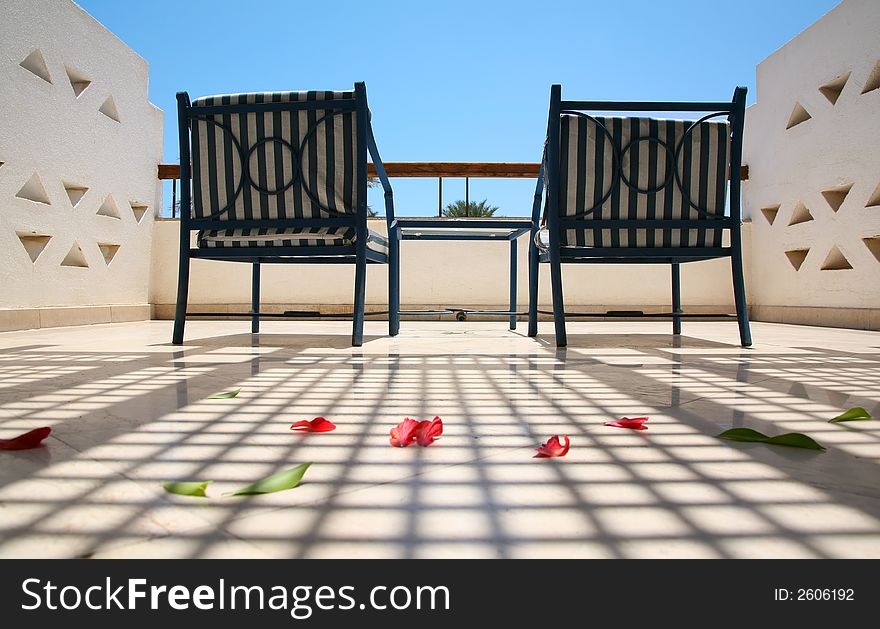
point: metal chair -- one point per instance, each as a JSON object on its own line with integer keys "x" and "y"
{"x": 638, "y": 190}
{"x": 281, "y": 177}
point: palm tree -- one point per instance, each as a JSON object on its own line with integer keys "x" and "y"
{"x": 462, "y": 209}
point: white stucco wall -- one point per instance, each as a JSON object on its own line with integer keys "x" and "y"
{"x": 432, "y": 274}
{"x": 836, "y": 149}
{"x": 55, "y": 132}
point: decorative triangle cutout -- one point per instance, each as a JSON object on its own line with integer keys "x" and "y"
{"x": 75, "y": 257}
{"x": 139, "y": 209}
{"x": 34, "y": 191}
{"x": 874, "y": 199}
{"x": 109, "y": 208}
{"x": 34, "y": 243}
{"x": 109, "y": 109}
{"x": 108, "y": 250}
{"x": 832, "y": 89}
{"x": 78, "y": 81}
{"x": 1, "y": 164}
{"x": 836, "y": 261}
{"x": 75, "y": 192}
{"x": 798, "y": 115}
{"x": 35, "y": 64}
{"x": 873, "y": 245}
{"x": 801, "y": 214}
{"x": 835, "y": 196}
{"x": 797, "y": 257}
{"x": 873, "y": 81}
{"x": 770, "y": 213}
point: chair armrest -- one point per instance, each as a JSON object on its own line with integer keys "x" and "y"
{"x": 383, "y": 178}
{"x": 536, "y": 204}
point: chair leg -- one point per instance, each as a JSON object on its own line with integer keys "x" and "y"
{"x": 676, "y": 298}
{"x": 393, "y": 286}
{"x": 512, "y": 301}
{"x": 360, "y": 285}
{"x": 533, "y": 288}
{"x": 739, "y": 294}
{"x": 255, "y": 298}
{"x": 558, "y": 302}
{"x": 182, "y": 296}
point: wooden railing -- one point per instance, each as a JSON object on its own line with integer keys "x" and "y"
{"x": 425, "y": 169}
{"x": 440, "y": 170}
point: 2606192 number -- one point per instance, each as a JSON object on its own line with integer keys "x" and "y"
{"x": 826, "y": 594}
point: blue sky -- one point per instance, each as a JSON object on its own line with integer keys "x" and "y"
{"x": 455, "y": 81}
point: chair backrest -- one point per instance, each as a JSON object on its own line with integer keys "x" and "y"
{"x": 275, "y": 155}
{"x": 640, "y": 182}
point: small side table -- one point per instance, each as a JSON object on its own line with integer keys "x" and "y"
{"x": 462, "y": 229}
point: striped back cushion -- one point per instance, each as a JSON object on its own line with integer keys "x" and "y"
{"x": 648, "y": 187}
{"x": 274, "y": 164}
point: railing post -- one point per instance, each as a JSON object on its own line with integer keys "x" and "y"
{"x": 512, "y": 280}
{"x": 439, "y": 197}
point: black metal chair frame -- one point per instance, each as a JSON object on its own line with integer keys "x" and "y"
{"x": 358, "y": 254}
{"x": 557, "y": 255}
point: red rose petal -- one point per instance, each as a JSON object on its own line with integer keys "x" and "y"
{"x": 427, "y": 431}
{"x": 404, "y": 433}
{"x": 553, "y": 448}
{"x": 319, "y": 424}
{"x": 27, "y": 441}
{"x": 635, "y": 423}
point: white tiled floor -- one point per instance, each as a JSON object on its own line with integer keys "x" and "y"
{"x": 128, "y": 411}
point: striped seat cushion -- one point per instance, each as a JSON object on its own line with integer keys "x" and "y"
{"x": 646, "y": 150}
{"x": 274, "y": 164}
{"x": 290, "y": 237}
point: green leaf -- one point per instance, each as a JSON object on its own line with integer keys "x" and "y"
{"x": 226, "y": 395}
{"x": 856, "y": 413}
{"x": 196, "y": 489}
{"x": 795, "y": 440}
{"x": 288, "y": 479}
{"x": 790, "y": 439}
{"x": 744, "y": 434}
